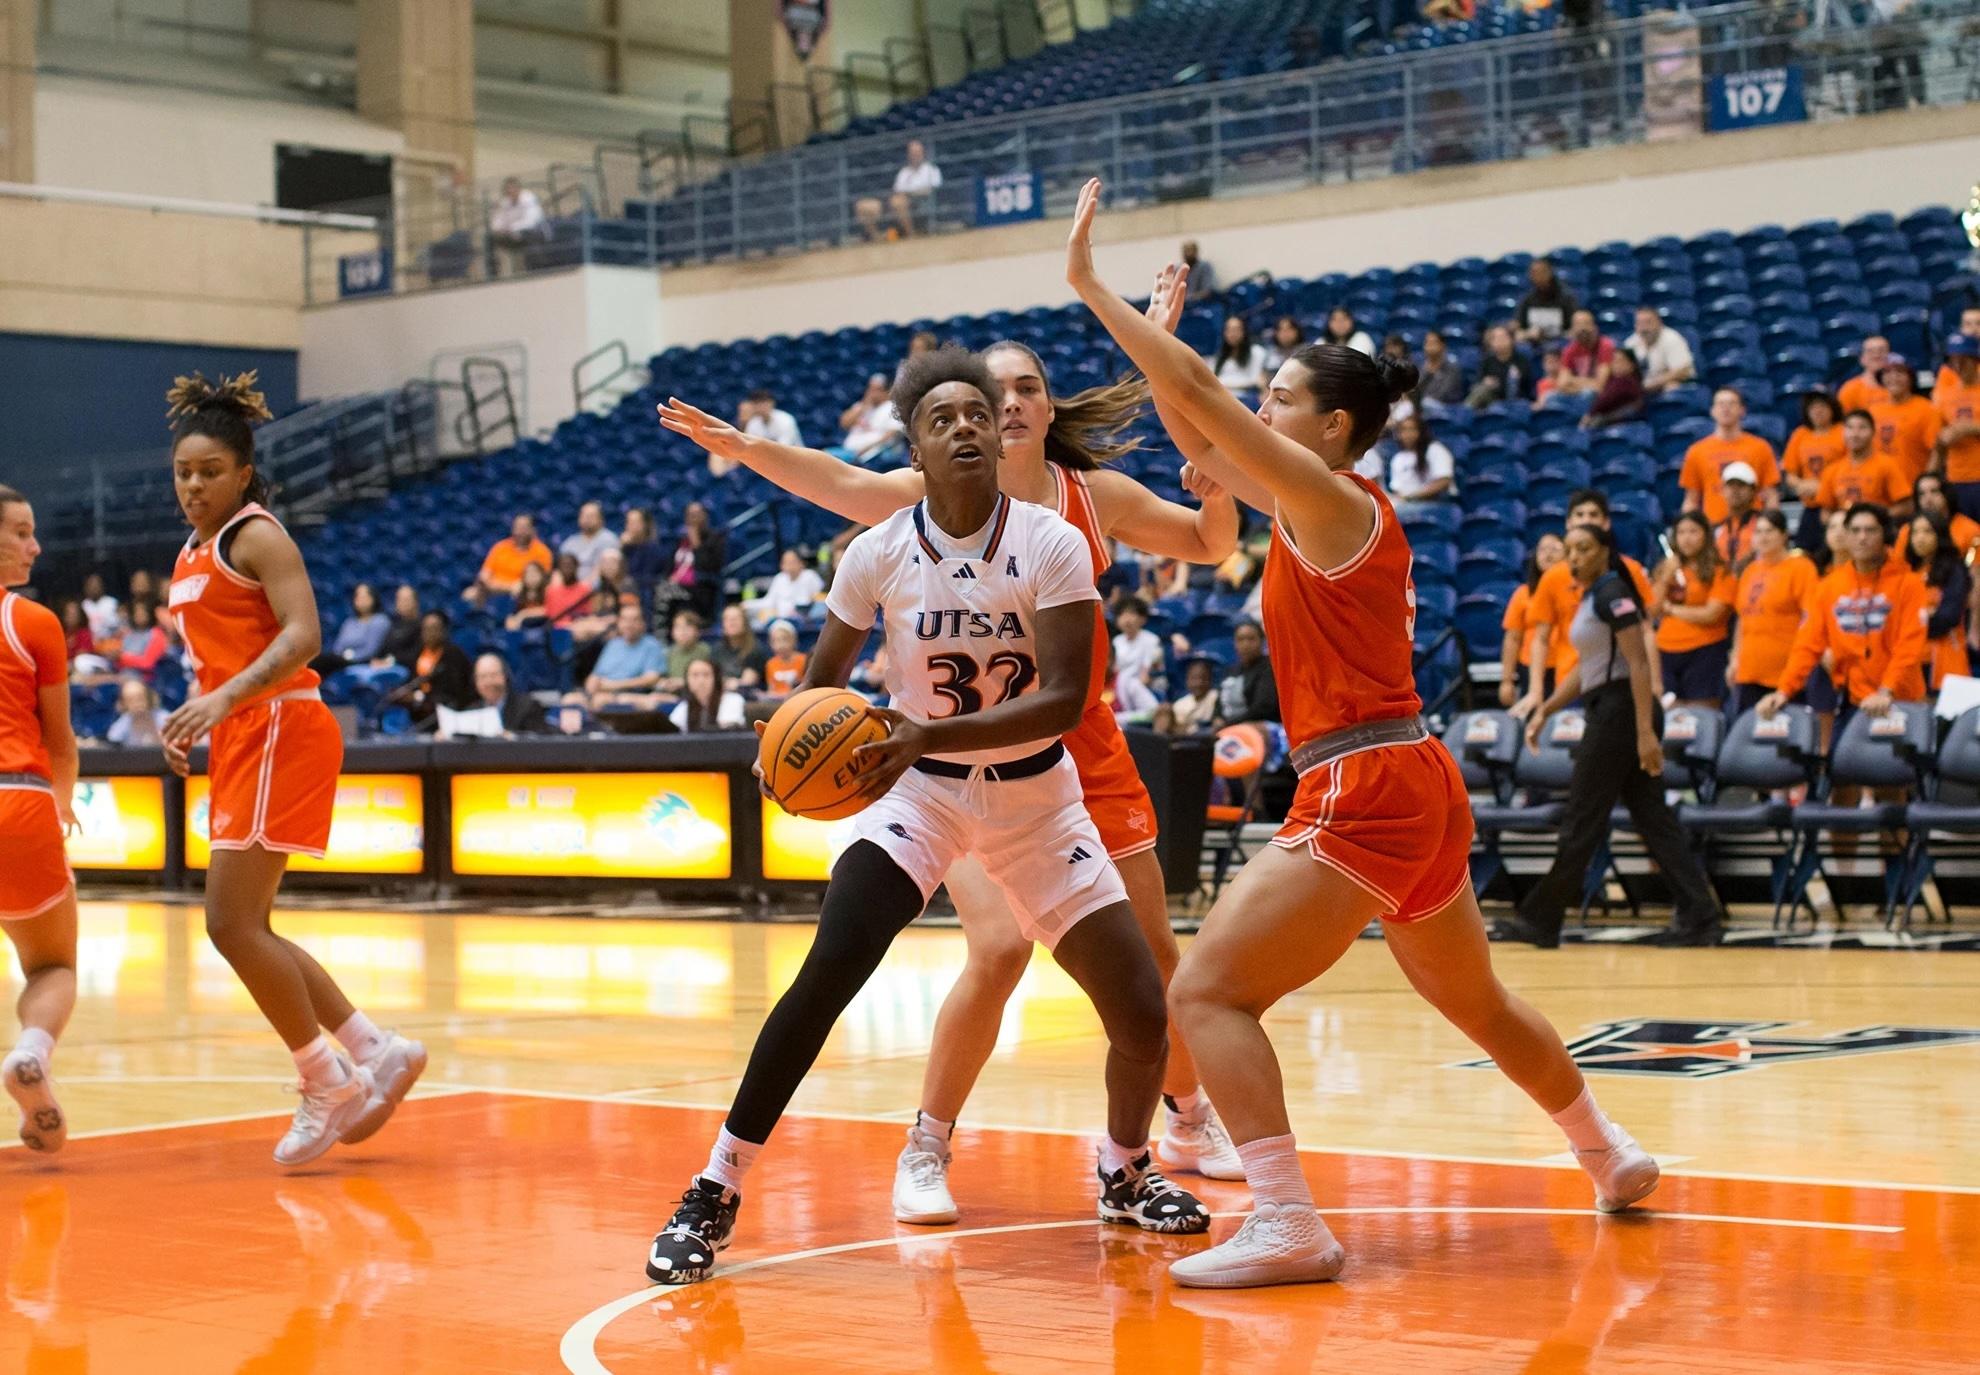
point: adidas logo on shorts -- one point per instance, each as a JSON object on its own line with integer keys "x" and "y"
{"x": 1079, "y": 853}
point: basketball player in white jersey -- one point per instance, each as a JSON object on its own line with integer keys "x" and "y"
{"x": 988, "y": 607}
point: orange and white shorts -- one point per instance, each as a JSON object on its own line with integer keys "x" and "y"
{"x": 274, "y": 768}
{"x": 1116, "y": 798}
{"x": 1396, "y": 819}
{"x": 36, "y": 873}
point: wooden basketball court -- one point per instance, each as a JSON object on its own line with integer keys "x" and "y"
{"x": 1821, "y": 1208}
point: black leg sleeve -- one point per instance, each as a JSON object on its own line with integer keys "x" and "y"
{"x": 869, "y": 902}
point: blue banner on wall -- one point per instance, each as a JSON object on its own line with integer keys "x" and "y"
{"x": 1748, "y": 100}
{"x": 365, "y": 274}
{"x": 1009, "y": 198}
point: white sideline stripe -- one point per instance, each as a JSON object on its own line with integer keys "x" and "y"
{"x": 179, "y": 1122}
{"x": 580, "y": 1357}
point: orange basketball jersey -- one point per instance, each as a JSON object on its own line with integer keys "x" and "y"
{"x": 1341, "y": 639}
{"x": 33, "y": 655}
{"x": 1075, "y": 504}
{"x": 224, "y": 617}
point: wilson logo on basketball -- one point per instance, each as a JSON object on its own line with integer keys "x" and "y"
{"x": 816, "y": 734}
{"x": 1707, "y": 1050}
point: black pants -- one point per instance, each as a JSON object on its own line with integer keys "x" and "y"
{"x": 1606, "y": 770}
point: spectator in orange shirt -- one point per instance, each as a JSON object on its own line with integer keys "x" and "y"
{"x": 501, "y": 571}
{"x": 1816, "y": 441}
{"x": 1734, "y": 536}
{"x": 1692, "y": 599}
{"x": 1907, "y": 424}
{"x": 1557, "y": 595}
{"x": 1969, "y": 326}
{"x": 785, "y": 669}
{"x": 1705, "y": 461}
{"x": 1948, "y": 592}
{"x": 1866, "y": 389}
{"x": 1863, "y": 474}
{"x": 1958, "y": 401}
{"x": 1516, "y": 649}
{"x": 1770, "y": 602}
{"x": 1931, "y": 497}
{"x": 1868, "y": 617}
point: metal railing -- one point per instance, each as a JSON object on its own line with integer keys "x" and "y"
{"x": 1627, "y": 82}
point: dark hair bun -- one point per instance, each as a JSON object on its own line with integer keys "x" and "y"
{"x": 1399, "y": 377}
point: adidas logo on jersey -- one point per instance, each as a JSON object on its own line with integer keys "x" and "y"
{"x": 965, "y": 572}
{"x": 899, "y": 830}
{"x": 1079, "y": 853}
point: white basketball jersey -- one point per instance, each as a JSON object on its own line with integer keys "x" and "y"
{"x": 961, "y": 628}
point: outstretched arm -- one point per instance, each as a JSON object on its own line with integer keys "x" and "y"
{"x": 1296, "y": 479}
{"x": 845, "y": 489}
{"x": 1142, "y": 520}
{"x": 1165, "y": 308}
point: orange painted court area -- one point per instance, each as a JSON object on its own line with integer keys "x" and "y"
{"x": 480, "y": 1231}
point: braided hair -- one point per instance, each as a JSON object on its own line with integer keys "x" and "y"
{"x": 225, "y": 412}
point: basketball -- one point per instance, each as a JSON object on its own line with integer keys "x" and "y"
{"x": 807, "y": 753}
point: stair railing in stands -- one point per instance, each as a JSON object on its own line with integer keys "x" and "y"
{"x": 762, "y": 556}
{"x": 618, "y": 361}
{"x": 474, "y": 425}
{"x": 1459, "y": 686}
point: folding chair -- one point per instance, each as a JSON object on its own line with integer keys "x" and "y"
{"x": 1758, "y": 759}
{"x": 1888, "y": 751}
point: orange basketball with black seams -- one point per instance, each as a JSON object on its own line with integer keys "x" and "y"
{"x": 807, "y": 753}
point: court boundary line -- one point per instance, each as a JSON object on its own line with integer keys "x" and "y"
{"x": 578, "y": 1349}
{"x": 453, "y": 1089}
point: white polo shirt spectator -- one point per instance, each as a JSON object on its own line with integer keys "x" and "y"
{"x": 1662, "y": 355}
{"x": 779, "y": 426}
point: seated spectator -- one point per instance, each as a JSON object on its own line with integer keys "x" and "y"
{"x": 1441, "y": 377}
{"x": 1728, "y": 443}
{"x": 630, "y": 667}
{"x": 441, "y": 677}
{"x": 1620, "y": 397}
{"x": 530, "y": 609}
{"x": 1422, "y": 468}
{"x": 517, "y": 712}
{"x": 792, "y": 593}
{"x": 144, "y": 644}
{"x": 594, "y": 626}
{"x": 76, "y": 639}
{"x": 1547, "y": 307}
{"x": 1345, "y": 330}
{"x": 914, "y": 188}
{"x": 1133, "y": 701}
{"x": 566, "y": 593}
{"x": 1196, "y": 709}
{"x": 1203, "y": 284}
{"x": 1239, "y": 361}
{"x": 590, "y": 542}
{"x": 704, "y": 704}
{"x": 515, "y": 223}
{"x": 1907, "y": 424}
{"x": 1287, "y": 339}
{"x": 402, "y": 636}
{"x": 1861, "y": 474}
{"x": 1957, "y": 397}
{"x": 1504, "y": 373}
{"x": 872, "y": 429}
{"x": 1587, "y": 356}
{"x": 139, "y": 717}
{"x": 360, "y": 639}
{"x": 784, "y": 670}
{"x": 1948, "y": 590}
{"x": 1662, "y": 354}
{"x": 1137, "y": 649}
{"x": 920, "y": 342}
{"x": 685, "y": 646}
{"x": 1931, "y": 495}
{"x": 1552, "y": 374}
{"x": 501, "y": 571}
{"x": 759, "y": 415}
{"x": 1866, "y": 389}
{"x": 1733, "y": 538}
{"x": 1248, "y": 692}
{"x": 699, "y": 558}
{"x": 646, "y": 561}
{"x": 104, "y": 613}
{"x": 740, "y": 659}
{"x": 144, "y": 588}
{"x": 1162, "y": 578}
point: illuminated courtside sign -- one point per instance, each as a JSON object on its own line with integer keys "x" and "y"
{"x": 121, "y": 824}
{"x": 593, "y": 825}
{"x": 798, "y": 849}
{"x": 378, "y": 827}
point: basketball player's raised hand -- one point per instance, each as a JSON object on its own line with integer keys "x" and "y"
{"x": 716, "y": 435}
{"x": 1198, "y": 485}
{"x": 1079, "y": 247}
{"x": 884, "y": 761}
{"x": 1170, "y": 295}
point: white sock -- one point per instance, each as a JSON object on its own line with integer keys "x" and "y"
{"x": 932, "y": 1127}
{"x": 319, "y": 1064}
{"x": 1189, "y": 1107}
{"x": 730, "y": 1160}
{"x": 1588, "y": 1128}
{"x": 37, "y": 1043}
{"x": 1271, "y": 1168}
{"x": 361, "y": 1037}
{"x": 1115, "y": 1157}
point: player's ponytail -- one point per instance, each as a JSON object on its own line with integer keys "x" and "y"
{"x": 1089, "y": 428}
{"x": 225, "y": 412}
{"x": 1345, "y": 379}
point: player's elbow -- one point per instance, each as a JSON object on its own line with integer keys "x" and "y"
{"x": 1063, "y": 706}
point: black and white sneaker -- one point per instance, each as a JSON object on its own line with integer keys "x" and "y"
{"x": 685, "y": 1250}
{"x": 1138, "y": 1195}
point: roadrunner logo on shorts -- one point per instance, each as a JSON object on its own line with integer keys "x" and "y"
{"x": 1707, "y": 1050}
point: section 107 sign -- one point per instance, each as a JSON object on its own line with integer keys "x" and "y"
{"x": 1749, "y": 100}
